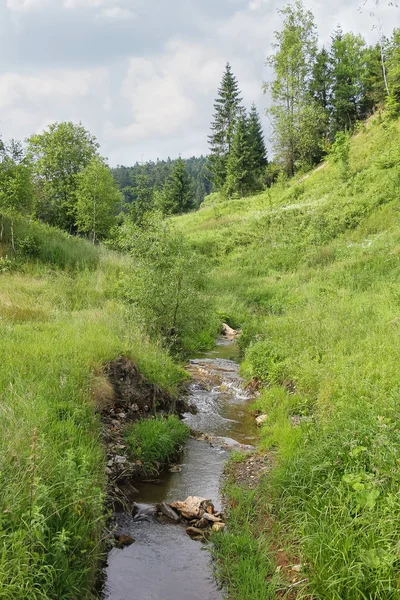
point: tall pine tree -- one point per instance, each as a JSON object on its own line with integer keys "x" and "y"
{"x": 239, "y": 176}
{"x": 178, "y": 194}
{"x": 227, "y": 108}
{"x": 257, "y": 149}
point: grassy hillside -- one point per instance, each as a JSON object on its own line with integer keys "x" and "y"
{"x": 60, "y": 320}
{"x": 311, "y": 270}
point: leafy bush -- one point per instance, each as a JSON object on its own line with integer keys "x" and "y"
{"x": 167, "y": 283}
{"x": 154, "y": 442}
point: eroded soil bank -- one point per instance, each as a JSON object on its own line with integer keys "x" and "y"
{"x": 164, "y": 562}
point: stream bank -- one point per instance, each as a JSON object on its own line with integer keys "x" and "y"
{"x": 164, "y": 563}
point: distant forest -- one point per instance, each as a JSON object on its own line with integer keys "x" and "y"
{"x": 157, "y": 173}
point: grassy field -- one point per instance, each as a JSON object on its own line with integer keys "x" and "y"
{"x": 311, "y": 271}
{"x": 60, "y": 320}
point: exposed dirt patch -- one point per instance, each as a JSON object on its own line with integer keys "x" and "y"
{"x": 250, "y": 471}
{"x": 122, "y": 395}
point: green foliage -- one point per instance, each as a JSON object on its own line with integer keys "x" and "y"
{"x": 177, "y": 194}
{"x": 167, "y": 282}
{"x": 348, "y": 54}
{"x": 243, "y": 564}
{"x": 227, "y": 110}
{"x": 239, "y": 164}
{"x": 97, "y": 199}
{"x": 59, "y": 154}
{"x": 340, "y": 153}
{"x": 155, "y": 442}
{"x": 297, "y": 121}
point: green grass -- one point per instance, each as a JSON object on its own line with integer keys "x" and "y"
{"x": 311, "y": 271}
{"x": 58, "y": 327}
{"x": 155, "y": 442}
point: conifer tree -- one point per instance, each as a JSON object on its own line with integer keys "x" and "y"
{"x": 320, "y": 86}
{"x": 348, "y": 57}
{"x": 177, "y": 194}
{"x": 227, "y": 108}
{"x": 257, "y": 149}
{"x": 239, "y": 175}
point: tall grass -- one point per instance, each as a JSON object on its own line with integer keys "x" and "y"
{"x": 56, "y": 328}
{"x": 310, "y": 270}
{"x": 154, "y": 442}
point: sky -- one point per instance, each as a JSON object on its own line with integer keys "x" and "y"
{"x": 142, "y": 75}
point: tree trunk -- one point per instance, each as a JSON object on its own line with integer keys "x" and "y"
{"x": 12, "y": 235}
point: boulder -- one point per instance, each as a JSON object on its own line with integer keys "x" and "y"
{"x": 168, "y": 512}
{"x": 193, "y": 507}
{"x": 194, "y": 532}
{"x": 229, "y": 333}
{"x": 122, "y": 540}
{"x": 218, "y": 526}
{"x": 261, "y": 420}
{"x": 211, "y": 518}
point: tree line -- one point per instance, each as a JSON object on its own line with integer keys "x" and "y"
{"x": 316, "y": 94}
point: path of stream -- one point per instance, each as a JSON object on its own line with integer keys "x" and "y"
{"x": 164, "y": 563}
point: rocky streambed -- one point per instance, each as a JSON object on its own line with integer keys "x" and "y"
{"x": 160, "y": 555}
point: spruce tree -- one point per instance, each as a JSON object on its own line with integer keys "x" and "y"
{"x": 239, "y": 175}
{"x": 227, "y": 107}
{"x": 257, "y": 149}
{"x": 178, "y": 194}
{"x": 348, "y": 64}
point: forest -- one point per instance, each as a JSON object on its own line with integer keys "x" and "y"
{"x": 292, "y": 241}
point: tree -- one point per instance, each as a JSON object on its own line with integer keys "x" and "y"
{"x": 348, "y": 56}
{"x": 59, "y": 154}
{"x": 16, "y": 189}
{"x": 320, "y": 85}
{"x": 144, "y": 196}
{"x": 227, "y": 108}
{"x": 374, "y": 81}
{"x": 97, "y": 199}
{"x": 239, "y": 177}
{"x": 167, "y": 283}
{"x": 394, "y": 73}
{"x": 293, "y": 61}
{"x": 258, "y": 151}
{"x": 177, "y": 194}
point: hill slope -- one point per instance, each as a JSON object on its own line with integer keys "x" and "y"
{"x": 311, "y": 271}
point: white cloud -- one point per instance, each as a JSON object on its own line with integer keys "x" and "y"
{"x": 116, "y": 12}
{"x": 26, "y": 5}
{"x": 162, "y": 92}
{"x": 63, "y": 84}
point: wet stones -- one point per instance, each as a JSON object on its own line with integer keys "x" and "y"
{"x": 122, "y": 540}
{"x": 199, "y": 513}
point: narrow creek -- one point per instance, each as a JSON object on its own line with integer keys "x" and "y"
{"x": 164, "y": 563}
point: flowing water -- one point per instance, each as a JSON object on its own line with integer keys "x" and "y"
{"x": 164, "y": 563}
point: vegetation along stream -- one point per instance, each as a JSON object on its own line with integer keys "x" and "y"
{"x": 164, "y": 562}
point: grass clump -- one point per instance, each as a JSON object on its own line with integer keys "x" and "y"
{"x": 155, "y": 442}
{"x": 242, "y": 560}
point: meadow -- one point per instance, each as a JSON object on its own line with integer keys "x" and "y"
{"x": 310, "y": 270}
